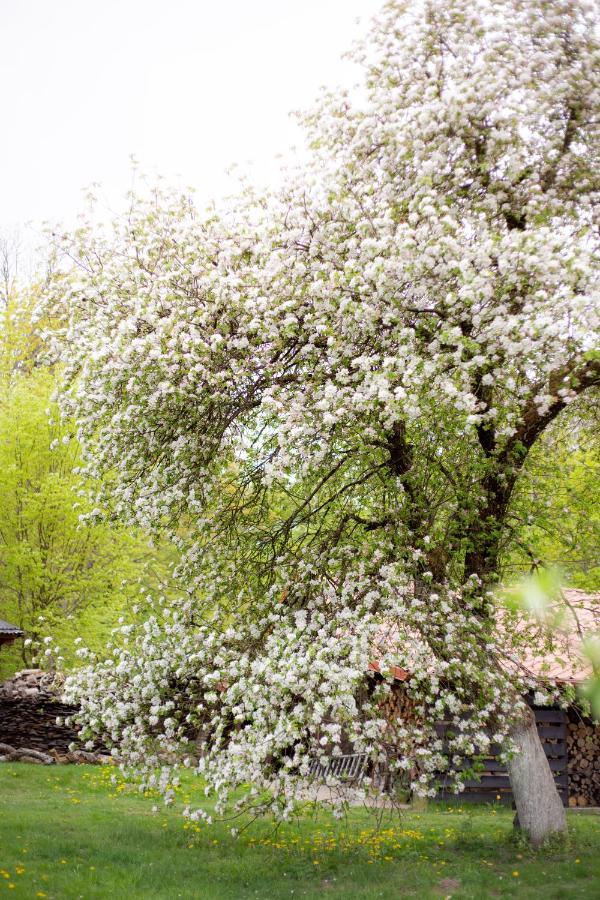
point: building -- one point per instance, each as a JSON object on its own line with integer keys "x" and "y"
{"x": 8, "y": 632}
{"x": 571, "y": 742}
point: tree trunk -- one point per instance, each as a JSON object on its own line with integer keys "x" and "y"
{"x": 539, "y": 808}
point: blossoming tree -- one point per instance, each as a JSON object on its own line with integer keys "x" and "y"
{"x": 335, "y": 387}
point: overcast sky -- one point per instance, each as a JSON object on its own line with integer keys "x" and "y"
{"x": 186, "y": 86}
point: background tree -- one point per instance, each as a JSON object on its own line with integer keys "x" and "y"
{"x": 339, "y": 387}
{"x": 554, "y": 517}
{"x": 61, "y": 574}
{"x": 51, "y": 565}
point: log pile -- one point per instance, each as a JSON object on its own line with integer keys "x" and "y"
{"x": 30, "y": 684}
{"x": 24, "y": 754}
{"x": 30, "y": 724}
{"x": 583, "y": 743}
{"x": 398, "y": 706}
{"x": 29, "y": 707}
{"x": 28, "y": 755}
{"x": 398, "y": 709}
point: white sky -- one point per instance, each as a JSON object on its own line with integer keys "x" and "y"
{"x": 186, "y": 86}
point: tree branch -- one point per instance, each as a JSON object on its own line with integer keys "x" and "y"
{"x": 534, "y": 422}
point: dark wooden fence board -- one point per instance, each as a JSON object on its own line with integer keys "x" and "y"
{"x": 552, "y": 731}
{"x": 550, "y": 715}
{"x": 495, "y": 765}
{"x": 556, "y": 748}
{"x": 494, "y": 781}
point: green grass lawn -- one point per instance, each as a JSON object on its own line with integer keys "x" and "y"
{"x": 68, "y": 832}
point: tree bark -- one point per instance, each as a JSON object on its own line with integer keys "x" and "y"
{"x": 539, "y": 808}
{"x": 540, "y": 812}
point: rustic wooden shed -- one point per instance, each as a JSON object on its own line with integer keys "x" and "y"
{"x": 8, "y": 632}
{"x": 571, "y": 742}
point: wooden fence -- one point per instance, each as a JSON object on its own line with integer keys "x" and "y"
{"x": 494, "y": 784}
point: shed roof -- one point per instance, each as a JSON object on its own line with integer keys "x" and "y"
{"x": 547, "y": 655}
{"x": 563, "y": 662}
{"x": 7, "y": 628}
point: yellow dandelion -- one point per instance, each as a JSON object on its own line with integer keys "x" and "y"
{"x": 515, "y": 874}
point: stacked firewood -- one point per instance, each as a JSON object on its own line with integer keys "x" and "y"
{"x": 30, "y": 684}
{"x": 399, "y": 712}
{"x": 398, "y": 708}
{"x": 29, "y": 708}
{"x": 26, "y": 723}
{"x": 28, "y": 755}
{"x": 583, "y": 744}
